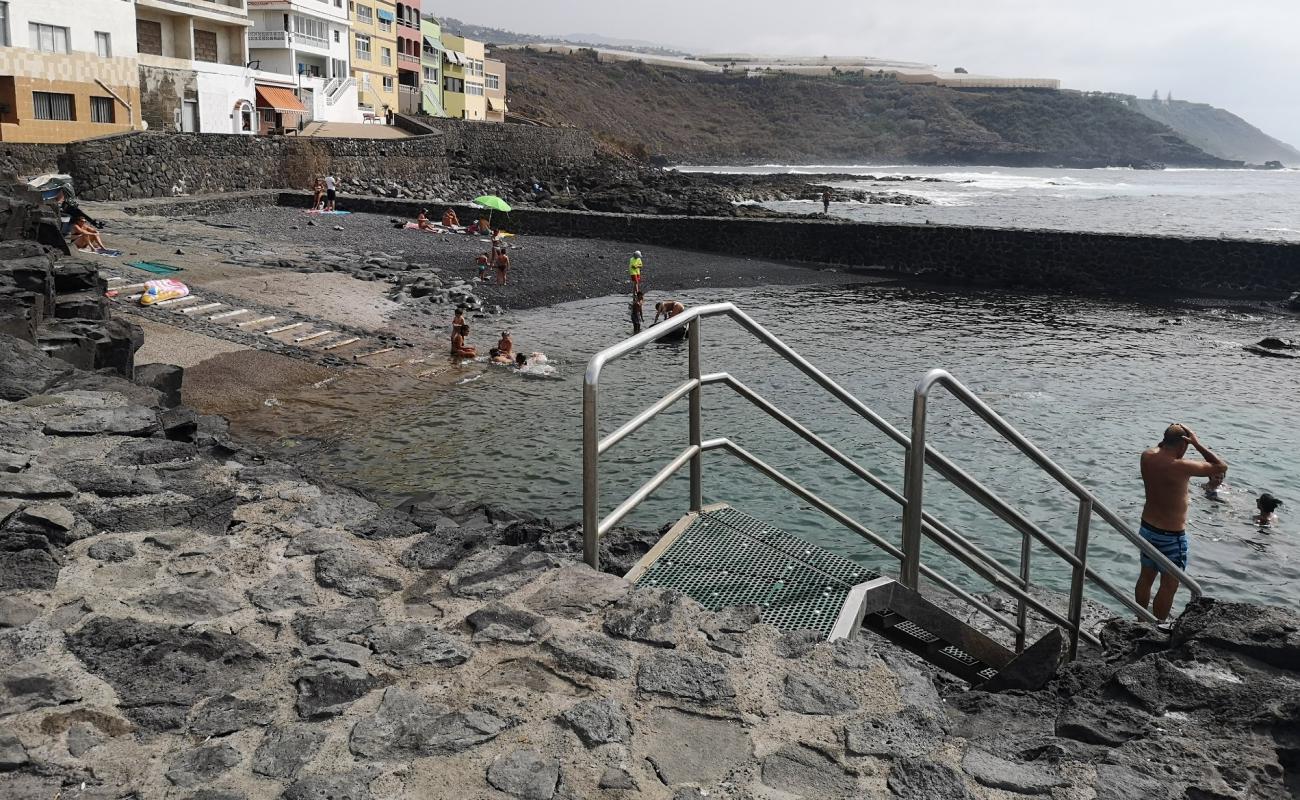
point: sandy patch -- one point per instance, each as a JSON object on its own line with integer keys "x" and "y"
{"x": 328, "y": 295}
{"x": 167, "y": 344}
{"x": 240, "y": 383}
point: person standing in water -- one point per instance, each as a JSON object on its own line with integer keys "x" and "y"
{"x": 634, "y": 265}
{"x": 638, "y": 312}
{"x": 826, "y": 202}
{"x": 1167, "y": 476}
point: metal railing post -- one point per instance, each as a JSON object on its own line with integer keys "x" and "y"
{"x": 913, "y": 488}
{"x": 590, "y": 480}
{"x": 1021, "y": 611}
{"x": 693, "y": 369}
{"x": 1075, "y": 614}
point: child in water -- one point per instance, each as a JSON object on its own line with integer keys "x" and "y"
{"x": 1267, "y": 505}
{"x": 1215, "y": 490}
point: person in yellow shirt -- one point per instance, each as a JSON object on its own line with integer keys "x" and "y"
{"x": 634, "y": 265}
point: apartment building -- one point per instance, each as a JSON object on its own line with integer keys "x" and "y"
{"x": 494, "y": 89}
{"x": 309, "y": 40}
{"x": 409, "y": 64}
{"x": 463, "y": 93}
{"x": 67, "y": 70}
{"x": 374, "y": 49}
{"x": 195, "y": 73}
{"x": 431, "y": 67}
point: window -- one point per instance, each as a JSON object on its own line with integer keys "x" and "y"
{"x": 455, "y": 85}
{"x": 475, "y": 89}
{"x": 386, "y": 26}
{"x": 431, "y": 74}
{"x": 388, "y": 83}
{"x": 205, "y": 46}
{"x": 48, "y": 38}
{"x": 101, "y": 109}
{"x": 4, "y": 24}
{"x": 52, "y": 106}
{"x": 365, "y": 14}
{"x": 148, "y": 37}
{"x": 103, "y": 44}
{"x": 362, "y": 46}
{"x": 386, "y": 56}
{"x": 494, "y": 82}
{"x": 338, "y": 3}
{"x": 336, "y": 37}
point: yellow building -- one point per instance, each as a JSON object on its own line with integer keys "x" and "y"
{"x": 494, "y": 79}
{"x": 68, "y": 70}
{"x": 374, "y": 55}
{"x": 463, "y": 93}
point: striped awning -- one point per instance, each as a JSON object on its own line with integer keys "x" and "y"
{"x": 454, "y": 57}
{"x": 385, "y": 15}
{"x": 279, "y": 99}
{"x": 432, "y": 44}
{"x": 497, "y": 104}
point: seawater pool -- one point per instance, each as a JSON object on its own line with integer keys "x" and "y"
{"x": 1091, "y": 382}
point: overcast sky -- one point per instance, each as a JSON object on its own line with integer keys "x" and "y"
{"x": 1240, "y": 54}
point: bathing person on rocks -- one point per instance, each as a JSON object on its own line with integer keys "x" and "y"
{"x": 506, "y": 346}
{"x": 423, "y": 220}
{"x": 85, "y": 236}
{"x": 502, "y": 263}
{"x": 826, "y": 201}
{"x": 667, "y": 309}
{"x": 458, "y": 320}
{"x": 1267, "y": 505}
{"x": 449, "y": 218}
{"x": 1167, "y": 476}
{"x": 458, "y": 346}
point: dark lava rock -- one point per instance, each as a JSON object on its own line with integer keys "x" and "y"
{"x": 808, "y": 695}
{"x": 525, "y": 773}
{"x": 854, "y": 653}
{"x": 660, "y": 617}
{"x": 907, "y": 734}
{"x": 1011, "y": 776}
{"x": 111, "y": 480}
{"x": 685, "y": 677}
{"x": 685, "y": 747}
{"x": 617, "y": 779}
{"x": 576, "y": 591}
{"x": 228, "y": 714}
{"x": 405, "y": 726}
{"x": 405, "y": 644}
{"x": 497, "y": 571}
{"x": 155, "y": 666}
{"x": 12, "y": 753}
{"x": 190, "y": 602}
{"x": 82, "y": 738}
{"x": 28, "y": 685}
{"x": 797, "y": 644}
{"x": 286, "y": 750}
{"x": 337, "y": 623}
{"x": 806, "y": 772}
{"x": 123, "y": 421}
{"x": 591, "y": 653}
{"x": 33, "y": 485}
{"x": 353, "y": 785}
{"x": 284, "y": 591}
{"x": 327, "y": 689}
{"x": 918, "y": 779}
{"x": 111, "y": 550}
{"x": 599, "y": 722}
{"x": 1107, "y": 724}
{"x": 498, "y": 622}
{"x": 166, "y": 378}
{"x": 15, "y": 613}
{"x": 199, "y": 766}
{"x": 446, "y": 547}
{"x": 355, "y": 573}
{"x": 28, "y": 569}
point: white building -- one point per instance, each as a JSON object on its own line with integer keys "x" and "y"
{"x": 194, "y": 72}
{"x": 309, "y": 41}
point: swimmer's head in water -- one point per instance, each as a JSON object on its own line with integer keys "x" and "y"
{"x": 521, "y": 360}
{"x": 1267, "y": 503}
{"x": 1175, "y": 436}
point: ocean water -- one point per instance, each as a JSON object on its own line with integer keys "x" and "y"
{"x": 1253, "y": 204}
{"x": 1091, "y": 382}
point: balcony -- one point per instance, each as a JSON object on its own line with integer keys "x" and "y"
{"x": 274, "y": 39}
{"x": 408, "y": 61}
{"x": 361, "y": 55}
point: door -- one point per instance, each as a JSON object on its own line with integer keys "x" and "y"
{"x": 189, "y": 116}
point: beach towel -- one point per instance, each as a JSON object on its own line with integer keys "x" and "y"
{"x": 155, "y": 267}
{"x": 327, "y": 213}
{"x": 415, "y": 226}
{"x": 101, "y": 251}
{"x": 163, "y": 289}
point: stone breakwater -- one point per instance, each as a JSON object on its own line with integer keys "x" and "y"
{"x": 182, "y": 617}
{"x": 1039, "y": 260}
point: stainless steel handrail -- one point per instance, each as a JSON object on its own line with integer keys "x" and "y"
{"x": 916, "y": 521}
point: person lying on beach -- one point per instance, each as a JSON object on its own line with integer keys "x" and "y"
{"x": 1267, "y": 505}
{"x": 667, "y": 309}
{"x": 423, "y": 220}
{"x": 458, "y": 346}
{"x": 85, "y": 236}
{"x": 449, "y": 218}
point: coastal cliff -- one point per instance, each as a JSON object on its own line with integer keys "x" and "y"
{"x": 1218, "y": 132}
{"x": 689, "y": 117}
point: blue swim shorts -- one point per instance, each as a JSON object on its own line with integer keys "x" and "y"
{"x": 1172, "y": 545}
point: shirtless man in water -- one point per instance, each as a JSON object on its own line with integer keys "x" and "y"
{"x": 667, "y": 309}
{"x": 1167, "y": 475}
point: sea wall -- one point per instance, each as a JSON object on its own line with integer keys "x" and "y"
{"x": 19, "y": 160}
{"x": 517, "y": 150}
{"x": 1006, "y": 257}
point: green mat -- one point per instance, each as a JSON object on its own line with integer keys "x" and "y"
{"x": 154, "y": 267}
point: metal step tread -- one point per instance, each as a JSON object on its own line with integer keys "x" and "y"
{"x": 727, "y": 558}
{"x": 927, "y": 645}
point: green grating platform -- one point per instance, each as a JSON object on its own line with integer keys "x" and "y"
{"x": 724, "y": 557}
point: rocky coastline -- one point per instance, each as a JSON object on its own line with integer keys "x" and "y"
{"x": 183, "y": 616}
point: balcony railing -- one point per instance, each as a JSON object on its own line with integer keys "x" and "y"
{"x": 264, "y": 39}
{"x": 407, "y": 58}
{"x": 362, "y": 55}
{"x": 387, "y": 61}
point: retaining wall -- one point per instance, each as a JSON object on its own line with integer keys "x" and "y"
{"x": 517, "y": 150}
{"x": 23, "y": 160}
{"x": 1057, "y": 261}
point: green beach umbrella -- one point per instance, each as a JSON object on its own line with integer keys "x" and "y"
{"x": 492, "y": 203}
